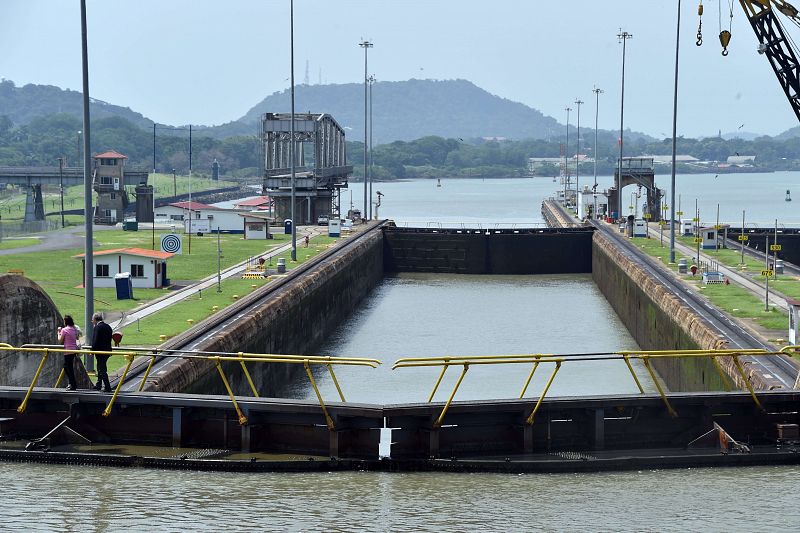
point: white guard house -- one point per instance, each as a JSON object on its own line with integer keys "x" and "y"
{"x": 709, "y": 238}
{"x": 205, "y": 218}
{"x": 148, "y": 268}
{"x": 586, "y": 203}
{"x": 256, "y": 225}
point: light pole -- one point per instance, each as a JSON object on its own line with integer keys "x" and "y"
{"x": 291, "y": 131}
{"x": 371, "y": 83}
{"x": 674, "y": 142}
{"x": 190, "y": 190}
{"x": 88, "y": 260}
{"x": 578, "y": 102}
{"x": 154, "y": 147}
{"x": 61, "y": 186}
{"x": 153, "y": 225}
{"x": 174, "y": 184}
{"x": 366, "y": 45}
{"x": 78, "y": 150}
{"x": 597, "y": 93}
{"x": 566, "y": 158}
{"x": 623, "y": 36}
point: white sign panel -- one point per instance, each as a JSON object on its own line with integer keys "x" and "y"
{"x": 172, "y": 243}
{"x": 199, "y": 225}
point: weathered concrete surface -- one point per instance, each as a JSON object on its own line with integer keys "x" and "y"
{"x": 657, "y": 318}
{"x": 29, "y": 316}
{"x": 556, "y": 217}
{"x": 296, "y": 317}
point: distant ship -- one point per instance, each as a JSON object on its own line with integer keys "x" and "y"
{"x": 788, "y": 196}
{"x": 438, "y": 182}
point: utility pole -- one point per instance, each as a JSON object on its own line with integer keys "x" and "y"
{"x": 623, "y": 36}
{"x": 366, "y": 45}
{"x": 61, "y": 186}
{"x": 578, "y": 102}
{"x": 566, "y": 158}
{"x": 88, "y": 260}
{"x": 291, "y": 132}
{"x": 674, "y": 141}
{"x": 371, "y": 83}
{"x": 597, "y": 93}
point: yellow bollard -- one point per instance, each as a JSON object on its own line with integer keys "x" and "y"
{"x": 189, "y": 321}
{"x": 235, "y": 296}
{"x": 162, "y": 337}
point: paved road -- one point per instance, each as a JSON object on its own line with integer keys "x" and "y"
{"x": 56, "y": 240}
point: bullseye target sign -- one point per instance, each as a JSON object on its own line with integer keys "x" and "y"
{"x": 171, "y": 243}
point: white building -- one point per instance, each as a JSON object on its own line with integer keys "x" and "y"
{"x": 256, "y": 225}
{"x": 204, "y": 218}
{"x": 148, "y": 268}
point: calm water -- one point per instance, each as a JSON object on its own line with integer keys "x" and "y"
{"x": 72, "y": 498}
{"x": 518, "y": 201}
{"x": 414, "y": 315}
{"x": 423, "y": 315}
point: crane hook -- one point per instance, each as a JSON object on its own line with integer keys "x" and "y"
{"x": 724, "y": 39}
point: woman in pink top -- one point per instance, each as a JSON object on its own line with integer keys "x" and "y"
{"x": 68, "y": 336}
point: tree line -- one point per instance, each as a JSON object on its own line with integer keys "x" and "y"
{"x": 44, "y": 139}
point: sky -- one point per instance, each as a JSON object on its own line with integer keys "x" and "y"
{"x": 209, "y": 61}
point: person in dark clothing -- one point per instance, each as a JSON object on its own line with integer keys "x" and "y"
{"x": 101, "y": 342}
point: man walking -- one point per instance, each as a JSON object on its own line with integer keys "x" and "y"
{"x": 101, "y": 342}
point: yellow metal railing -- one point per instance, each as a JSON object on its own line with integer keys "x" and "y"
{"x": 646, "y": 357}
{"x": 217, "y": 358}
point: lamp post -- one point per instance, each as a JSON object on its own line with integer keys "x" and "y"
{"x": 597, "y": 93}
{"x": 153, "y": 225}
{"x": 61, "y": 186}
{"x": 88, "y": 261}
{"x": 154, "y": 147}
{"x": 578, "y": 102}
{"x": 566, "y": 159}
{"x": 674, "y": 142}
{"x": 371, "y": 83}
{"x": 291, "y": 140}
{"x": 174, "y": 184}
{"x": 623, "y": 36}
{"x": 366, "y": 45}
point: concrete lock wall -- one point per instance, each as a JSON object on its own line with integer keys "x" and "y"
{"x": 656, "y": 318}
{"x": 29, "y": 316}
{"x": 530, "y": 251}
{"x": 294, "y": 320}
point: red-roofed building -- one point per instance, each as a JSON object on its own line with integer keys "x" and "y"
{"x": 259, "y": 202}
{"x": 148, "y": 268}
{"x": 204, "y": 218}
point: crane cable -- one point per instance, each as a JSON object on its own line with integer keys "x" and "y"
{"x": 699, "y": 41}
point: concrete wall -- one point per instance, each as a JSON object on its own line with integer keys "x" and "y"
{"x": 297, "y": 317}
{"x": 524, "y": 251}
{"x": 29, "y": 316}
{"x": 656, "y": 318}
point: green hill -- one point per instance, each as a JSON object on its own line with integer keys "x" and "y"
{"x": 23, "y": 104}
{"x": 407, "y": 110}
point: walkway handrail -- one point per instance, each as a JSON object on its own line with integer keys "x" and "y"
{"x": 558, "y": 359}
{"x": 216, "y": 357}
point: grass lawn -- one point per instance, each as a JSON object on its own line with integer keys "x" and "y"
{"x": 59, "y": 273}
{"x": 729, "y": 297}
{"x": 8, "y": 244}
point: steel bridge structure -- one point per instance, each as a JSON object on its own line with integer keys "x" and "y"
{"x": 321, "y": 168}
